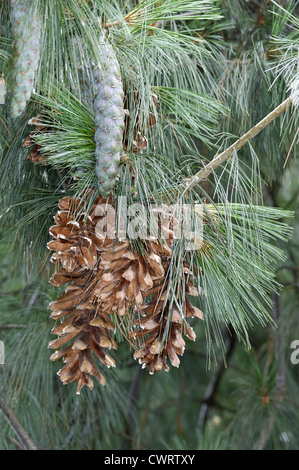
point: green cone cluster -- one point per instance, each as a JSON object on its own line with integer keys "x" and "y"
{"x": 109, "y": 119}
{"x": 27, "y": 36}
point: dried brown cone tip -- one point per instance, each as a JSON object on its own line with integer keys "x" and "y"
{"x": 83, "y": 334}
{"x": 84, "y": 331}
{"x": 76, "y": 242}
{"x": 160, "y": 327}
{"x": 35, "y": 154}
{"x": 139, "y": 140}
{"x": 37, "y": 121}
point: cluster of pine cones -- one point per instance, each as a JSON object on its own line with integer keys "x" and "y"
{"x": 111, "y": 283}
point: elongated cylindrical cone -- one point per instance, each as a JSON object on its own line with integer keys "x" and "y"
{"x": 27, "y": 39}
{"x": 109, "y": 118}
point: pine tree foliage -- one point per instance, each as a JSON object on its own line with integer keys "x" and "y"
{"x": 109, "y": 101}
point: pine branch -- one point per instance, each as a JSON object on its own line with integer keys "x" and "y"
{"x": 226, "y": 154}
{"x": 17, "y": 427}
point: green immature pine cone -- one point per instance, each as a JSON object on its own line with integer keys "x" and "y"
{"x": 109, "y": 119}
{"x": 26, "y": 28}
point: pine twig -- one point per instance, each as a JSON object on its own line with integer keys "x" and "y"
{"x": 208, "y": 399}
{"x": 280, "y": 385}
{"x": 130, "y": 419}
{"x": 290, "y": 149}
{"x": 225, "y": 155}
{"x": 11, "y": 327}
{"x": 17, "y": 427}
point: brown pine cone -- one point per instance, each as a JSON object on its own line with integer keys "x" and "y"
{"x": 83, "y": 334}
{"x": 125, "y": 275}
{"x": 161, "y": 326}
{"x": 76, "y": 241}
